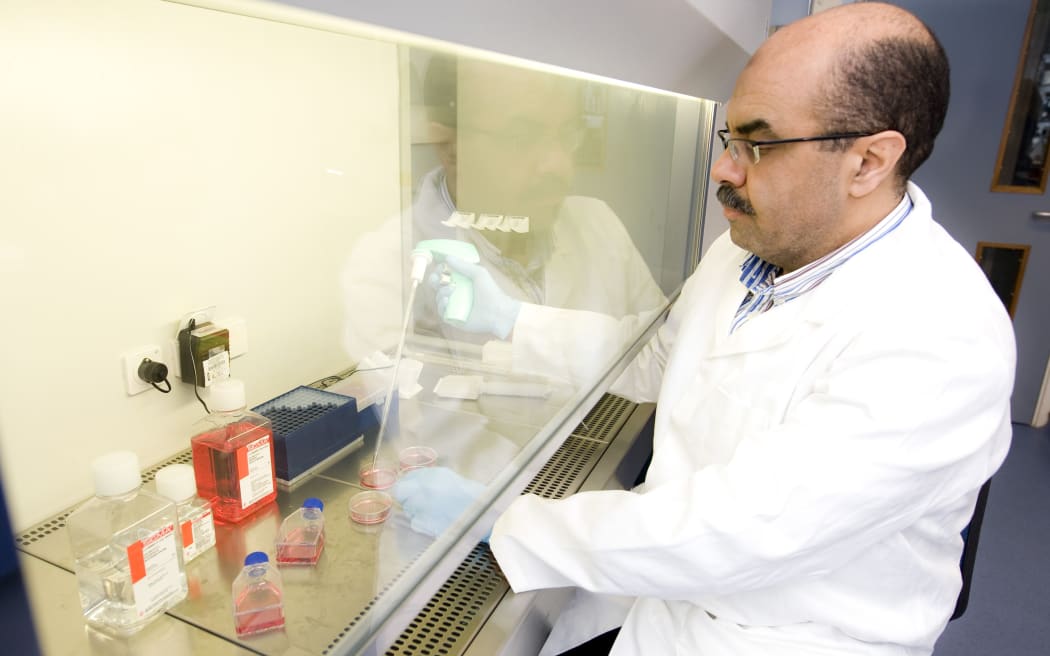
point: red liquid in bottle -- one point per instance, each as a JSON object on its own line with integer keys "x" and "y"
{"x": 258, "y": 609}
{"x": 302, "y": 547}
{"x": 234, "y": 468}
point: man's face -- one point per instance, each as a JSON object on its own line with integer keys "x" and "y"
{"x": 516, "y": 136}
{"x": 787, "y": 207}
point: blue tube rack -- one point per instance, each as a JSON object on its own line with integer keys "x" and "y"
{"x": 310, "y": 426}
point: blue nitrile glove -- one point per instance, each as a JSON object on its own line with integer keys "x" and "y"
{"x": 492, "y": 312}
{"x": 434, "y": 497}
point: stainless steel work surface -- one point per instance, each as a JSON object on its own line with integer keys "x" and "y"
{"x": 324, "y": 602}
{"x": 61, "y": 630}
{"x": 320, "y": 602}
{"x": 482, "y": 439}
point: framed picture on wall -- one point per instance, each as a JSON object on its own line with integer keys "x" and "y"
{"x": 1004, "y": 265}
{"x": 1022, "y": 162}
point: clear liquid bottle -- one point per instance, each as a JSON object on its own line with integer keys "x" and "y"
{"x": 233, "y": 459}
{"x": 301, "y": 538}
{"x": 258, "y": 597}
{"x": 196, "y": 527}
{"x": 127, "y": 558}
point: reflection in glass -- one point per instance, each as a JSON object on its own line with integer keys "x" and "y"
{"x": 1022, "y": 165}
{"x": 563, "y": 186}
{"x": 575, "y": 198}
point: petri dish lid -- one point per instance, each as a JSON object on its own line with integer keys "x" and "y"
{"x": 370, "y": 507}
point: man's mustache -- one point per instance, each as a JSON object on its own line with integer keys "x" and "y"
{"x": 729, "y": 198}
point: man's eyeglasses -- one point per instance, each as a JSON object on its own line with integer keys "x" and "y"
{"x": 749, "y": 149}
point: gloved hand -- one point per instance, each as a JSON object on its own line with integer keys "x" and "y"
{"x": 492, "y": 312}
{"x": 434, "y": 497}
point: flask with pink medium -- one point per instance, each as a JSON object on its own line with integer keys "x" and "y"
{"x": 258, "y": 597}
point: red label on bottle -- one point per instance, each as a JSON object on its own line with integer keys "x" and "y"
{"x": 136, "y": 561}
{"x": 242, "y": 463}
{"x": 187, "y": 533}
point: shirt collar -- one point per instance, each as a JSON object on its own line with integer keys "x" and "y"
{"x": 767, "y": 287}
{"x": 756, "y": 273}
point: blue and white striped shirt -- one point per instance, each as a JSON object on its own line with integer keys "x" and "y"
{"x": 766, "y": 287}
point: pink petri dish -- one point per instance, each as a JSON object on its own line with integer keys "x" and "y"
{"x": 378, "y": 477}
{"x": 416, "y": 457}
{"x": 370, "y": 507}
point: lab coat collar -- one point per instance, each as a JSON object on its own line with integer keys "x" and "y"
{"x": 786, "y": 321}
{"x": 768, "y": 330}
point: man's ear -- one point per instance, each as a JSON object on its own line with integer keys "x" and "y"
{"x": 875, "y": 160}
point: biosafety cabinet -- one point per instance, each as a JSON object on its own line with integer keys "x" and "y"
{"x": 284, "y": 166}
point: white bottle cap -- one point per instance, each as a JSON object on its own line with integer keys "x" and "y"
{"x": 116, "y": 473}
{"x": 226, "y": 395}
{"x": 176, "y": 482}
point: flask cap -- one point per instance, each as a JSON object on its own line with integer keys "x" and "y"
{"x": 116, "y": 473}
{"x": 176, "y": 482}
{"x": 313, "y": 502}
{"x": 256, "y": 558}
{"x": 226, "y": 395}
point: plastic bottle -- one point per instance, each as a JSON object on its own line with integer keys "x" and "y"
{"x": 196, "y": 528}
{"x": 301, "y": 538}
{"x": 233, "y": 455}
{"x": 127, "y": 558}
{"x": 258, "y": 598}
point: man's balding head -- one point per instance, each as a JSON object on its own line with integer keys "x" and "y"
{"x": 873, "y": 67}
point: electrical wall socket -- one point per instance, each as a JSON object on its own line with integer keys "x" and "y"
{"x": 131, "y": 360}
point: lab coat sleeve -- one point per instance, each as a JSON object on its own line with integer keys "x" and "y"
{"x": 642, "y": 380}
{"x": 893, "y": 427}
{"x": 575, "y": 346}
{"x": 578, "y": 346}
{"x": 577, "y": 343}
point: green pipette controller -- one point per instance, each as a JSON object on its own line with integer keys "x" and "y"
{"x": 461, "y": 300}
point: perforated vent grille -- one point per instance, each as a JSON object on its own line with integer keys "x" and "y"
{"x": 41, "y": 531}
{"x": 554, "y": 480}
{"x": 603, "y": 418}
{"x": 456, "y": 611}
{"x": 184, "y": 458}
{"x": 58, "y": 522}
{"x": 459, "y": 608}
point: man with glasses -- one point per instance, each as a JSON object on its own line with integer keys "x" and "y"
{"x": 833, "y": 383}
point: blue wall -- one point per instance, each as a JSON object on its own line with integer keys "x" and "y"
{"x": 983, "y": 41}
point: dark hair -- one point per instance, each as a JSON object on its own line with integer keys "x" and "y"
{"x": 439, "y": 89}
{"x": 899, "y": 83}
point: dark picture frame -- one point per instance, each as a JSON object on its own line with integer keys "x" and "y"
{"x": 1021, "y": 165}
{"x": 1004, "y": 265}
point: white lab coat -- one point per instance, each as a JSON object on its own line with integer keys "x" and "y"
{"x": 812, "y": 472}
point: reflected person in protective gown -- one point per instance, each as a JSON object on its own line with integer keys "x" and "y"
{"x": 832, "y": 385}
{"x": 505, "y": 137}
